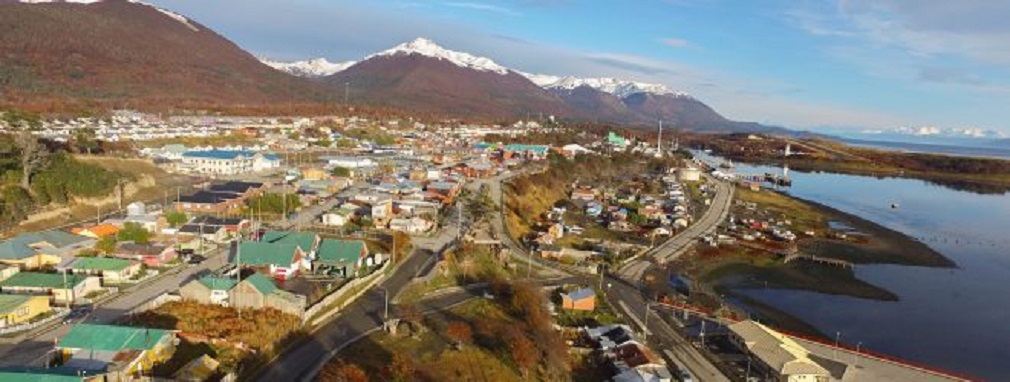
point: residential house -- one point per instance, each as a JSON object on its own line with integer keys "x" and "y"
{"x": 338, "y": 218}
{"x": 581, "y": 299}
{"x": 587, "y": 194}
{"x": 19, "y": 309}
{"x": 6, "y": 271}
{"x": 636, "y": 362}
{"x": 232, "y": 225}
{"x": 150, "y": 222}
{"x": 446, "y": 189}
{"x": 41, "y": 249}
{"x": 119, "y": 352}
{"x": 150, "y": 254}
{"x": 111, "y": 270}
{"x": 413, "y": 225}
{"x": 257, "y": 291}
{"x": 208, "y": 290}
{"x": 210, "y": 233}
{"x": 572, "y": 150}
{"x": 46, "y": 375}
{"x": 382, "y": 211}
{"x": 63, "y": 288}
{"x": 315, "y": 173}
{"x": 307, "y": 241}
{"x": 608, "y": 337}
{"x": 219, "y": 198}
{"x": 97, "y": 232}
{"x": 348, "y": 162}
{"x": 340, "y": 257}
{"x": 279, "y": 260}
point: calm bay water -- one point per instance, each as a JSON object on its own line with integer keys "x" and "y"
{"x": 955, "y": 319}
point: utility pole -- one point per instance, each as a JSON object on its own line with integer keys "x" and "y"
{"x": 645, "y": 330}
{"x": 238, "y": 267}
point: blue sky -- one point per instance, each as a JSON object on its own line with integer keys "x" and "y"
{"x": 808, "y": 64}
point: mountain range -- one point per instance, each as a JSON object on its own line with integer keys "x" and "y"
{"x": 126, "y": 53}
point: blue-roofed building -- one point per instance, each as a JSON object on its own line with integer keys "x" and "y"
{"x": 582, "y": 299}
{"x": 227, "y": 162}
{"x": 40, "y": 249}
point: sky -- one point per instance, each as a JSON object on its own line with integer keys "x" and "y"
{"x": 803, "y": 64}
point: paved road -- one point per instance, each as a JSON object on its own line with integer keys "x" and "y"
{"x": 358, "y": 318}
{"x": 661, "y": 335}
{"x": 679, "y": 244}
{"x": 32, "y": 351}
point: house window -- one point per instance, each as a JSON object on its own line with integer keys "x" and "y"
{"x": 22, "y": 311}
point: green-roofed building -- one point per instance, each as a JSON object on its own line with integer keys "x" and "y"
{"x": 16, "y": 309}
{"x": 342, "y": 257}
{"x": 208, "y": 290}
{"x": 306, "y": 240}
{"x": 64, "y": 288}
{"x": 47, "y": 375}
{"x": 525, "y": 150}
{"x": 118, "y": 350}
{"x": 282, "y": 260}
{"x": 111, "y": 270}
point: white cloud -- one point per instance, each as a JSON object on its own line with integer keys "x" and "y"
{"x": 674, "y": 42}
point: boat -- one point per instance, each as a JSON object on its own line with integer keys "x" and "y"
{"x": 894, "y": 206}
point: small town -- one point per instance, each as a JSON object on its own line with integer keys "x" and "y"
{"x": 225, "y": 261}
{"x": 495, "y": 190}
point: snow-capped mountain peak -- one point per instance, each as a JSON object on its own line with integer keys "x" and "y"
{"x": 619, "y": 88}
{"x": 316, "y": 67}
{"x": 428, "y": 48}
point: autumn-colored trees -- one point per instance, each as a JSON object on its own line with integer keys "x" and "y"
{"x": 524, "y": 353}
{"x": 342, "y": 372}
{"x": 401, "y": 368}
{"x": 459, "y": 332}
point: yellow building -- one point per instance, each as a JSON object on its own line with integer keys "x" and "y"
{"x": 120, "y": 352}
{"x": 40, "y": 249}
{"x": 19, "y": 309}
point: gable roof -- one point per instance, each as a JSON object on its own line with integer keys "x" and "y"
{"x": 111, "y": 338}
{"x": 19, "y": 247}
{"x": 100, "y": 230}
{"x": 100, "y": 263}
{"x": 581, "y": 294}
{"x": 10, "y": 302}
{"x": 261, "y": 283}
{"x": 305, "y": 240}
{"x": 42, "y": 280}
{"x": 37, "y": 376}
{"x": 217, "y": 283}
{"x": 333, "y": 251}
{"x": 777, "y": 350}
{"x": 265, "y": 253}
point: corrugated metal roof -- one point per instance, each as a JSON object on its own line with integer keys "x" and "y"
{"x": 111, "y": 338}
{"x": 100, "y": 263}
{"x": 42, "y": 280}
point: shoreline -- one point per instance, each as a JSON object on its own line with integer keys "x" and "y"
{"x": 732, "y": 271}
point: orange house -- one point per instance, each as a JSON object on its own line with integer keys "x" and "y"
{"x": 97, "y": 231}
{"x": 582, "y": 299}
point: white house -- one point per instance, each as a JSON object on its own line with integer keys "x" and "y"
{"x": 411, "y": 225}
{"x": 348, "y": 162}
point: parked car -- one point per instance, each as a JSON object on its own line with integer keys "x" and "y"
{"x": 196, "y": 259}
